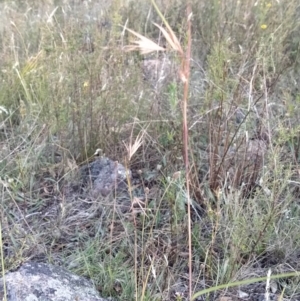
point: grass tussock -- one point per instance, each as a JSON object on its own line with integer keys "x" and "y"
{"x": 69, "y": 87}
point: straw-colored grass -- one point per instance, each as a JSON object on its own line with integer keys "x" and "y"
{"x": 212, "y": 142}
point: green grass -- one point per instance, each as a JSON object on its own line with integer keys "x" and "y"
{"x": 60, "y": 101}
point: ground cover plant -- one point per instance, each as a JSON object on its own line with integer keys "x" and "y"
{"x": 69, "y": 86}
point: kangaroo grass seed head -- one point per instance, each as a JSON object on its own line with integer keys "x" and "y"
{"x": 144, "y": 45}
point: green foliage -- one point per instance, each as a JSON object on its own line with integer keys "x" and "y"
{"x": 68, "y": 88}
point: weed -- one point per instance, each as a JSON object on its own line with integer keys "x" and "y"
{"x": 220, "y": 103}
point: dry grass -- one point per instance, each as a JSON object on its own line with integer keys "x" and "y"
{"x": 68, "y": 88}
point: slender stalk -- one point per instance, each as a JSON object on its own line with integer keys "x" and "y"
{"x": 186, "y": 72}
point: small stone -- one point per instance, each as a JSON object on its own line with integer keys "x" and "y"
{"x": 105, "y": 176}
{"x": 242, "y": 294}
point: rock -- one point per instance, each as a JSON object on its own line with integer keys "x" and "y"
{"x": 157, "y": 71}
{"x": 105, "y": 176}
{"x": 45, "y": 282}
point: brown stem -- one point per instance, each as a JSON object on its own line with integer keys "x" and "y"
{"x": 186, "y": 75}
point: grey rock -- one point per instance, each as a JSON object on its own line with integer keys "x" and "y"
{"x": 44, "y": 282}
{"x": 105, "y": 176}
{"x": 157, "y": 71}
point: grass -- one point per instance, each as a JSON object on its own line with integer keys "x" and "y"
{"x": 69, "y": 88}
